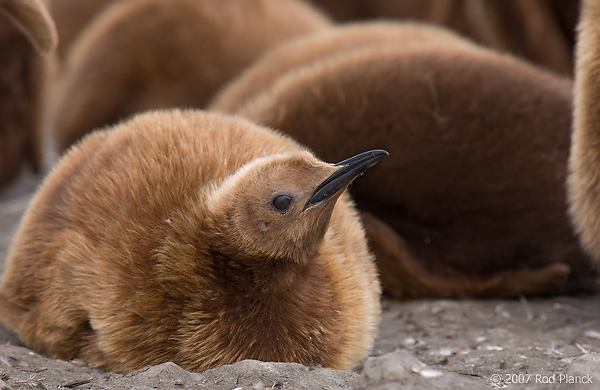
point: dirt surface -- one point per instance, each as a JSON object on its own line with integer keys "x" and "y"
{"x": 429, "y": 344}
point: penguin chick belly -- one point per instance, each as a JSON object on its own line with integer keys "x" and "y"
{"x": 147, "y": 244}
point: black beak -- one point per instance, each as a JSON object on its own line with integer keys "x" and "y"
{"x": 349, "y": 170}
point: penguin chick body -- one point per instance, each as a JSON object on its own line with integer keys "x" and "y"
{"x": 584, "y": 161}
{"x": 471, "y": 201}
{"x": 142, "y": 55}
{"x": 194, "y": 238}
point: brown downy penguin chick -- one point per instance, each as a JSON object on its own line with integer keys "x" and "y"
{"x": 27, "y": 35}
{"x": 471, "y": 201}
{"x": 147, "y": 54}
{"x": 313, "y": 47}
{"x": 194, "y": 238}
{"x": 584, "y": 163}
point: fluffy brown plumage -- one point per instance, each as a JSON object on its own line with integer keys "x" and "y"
{"x": 27, "y": 35}
{"x": 147, "y": 54}
{"x": 164, "y": 239}
{"x": 471, "y": 201}
{"x": 584, "y": 183}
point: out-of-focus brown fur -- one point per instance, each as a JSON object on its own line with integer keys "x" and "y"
{"x": 540, "y": 31}
{"x": 72, "y": 17}
{"x": 154, "y": 241}
{"x": 27, "y": 35}
{"x": 147, "y": 54}
{"x": 478, "y": 142}
{"x": 584, "y": 178}
{"x": 313, "y": 47}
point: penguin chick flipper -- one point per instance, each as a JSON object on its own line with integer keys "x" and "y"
{"x": 402, "y": 275}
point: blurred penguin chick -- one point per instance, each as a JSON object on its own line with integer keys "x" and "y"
{"x": 142, "y": 55}
{"x": 328, "y": 43}
{"x": 194, "y": 238}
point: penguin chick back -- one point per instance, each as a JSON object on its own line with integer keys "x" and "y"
{"x": 171, "y": 238}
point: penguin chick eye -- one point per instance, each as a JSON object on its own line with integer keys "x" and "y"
{"x": 281, "y": 203}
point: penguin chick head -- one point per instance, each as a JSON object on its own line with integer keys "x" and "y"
{"x": 279, "y": 207}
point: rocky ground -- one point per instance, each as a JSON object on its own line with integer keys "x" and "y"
{"x": 548, "y": 343}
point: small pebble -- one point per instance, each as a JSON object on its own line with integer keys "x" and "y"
{"x": 592, "y": 334}
{"x": 427, "y": 372}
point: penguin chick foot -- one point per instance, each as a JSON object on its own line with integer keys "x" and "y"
{"x": 403, "y": 276}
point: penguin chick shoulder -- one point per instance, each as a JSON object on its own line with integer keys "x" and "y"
{"x": 194, "y": 238}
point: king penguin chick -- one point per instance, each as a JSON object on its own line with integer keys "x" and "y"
{"x": 141, "y": 55}
{"x": 471, "y": 201}
{"x": 194, "y": 238}
{"x": 311, "y": 48}
{"x": 584, "y": 162}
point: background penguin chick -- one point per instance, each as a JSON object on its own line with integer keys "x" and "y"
{"x": 474, "y": 185}
{"x": 167, "y": 239}
{"x": 313, "y": 47}
{"x": 584, "y": 163}
{"x": 27, "y": 36}
{"x": 147, "y": 54}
